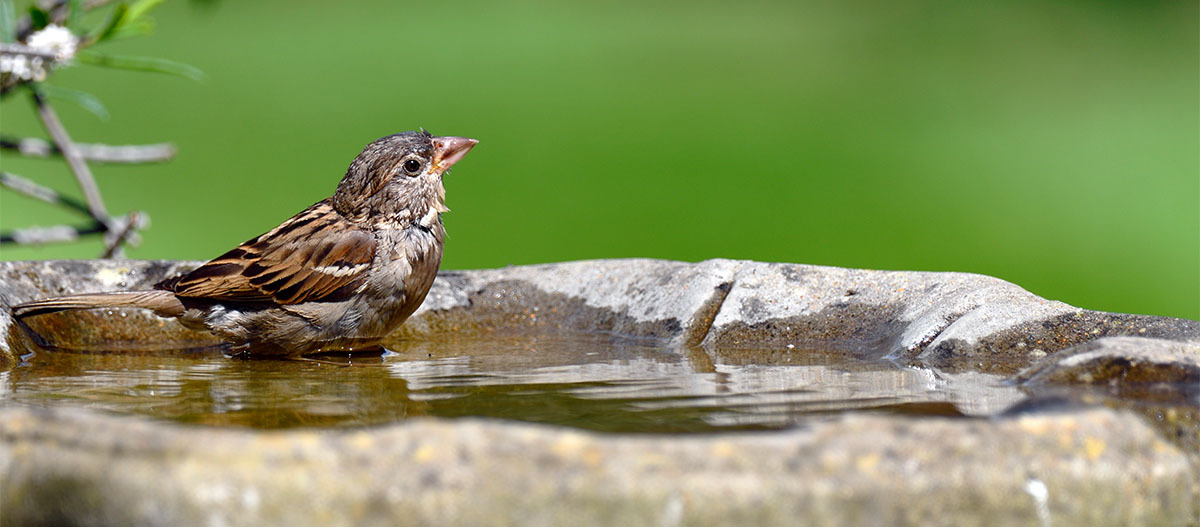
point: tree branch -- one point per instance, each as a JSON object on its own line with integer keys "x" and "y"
{"x": 83, "y": 175}
{"x": 21, "y": 49}
{"x": 116, "y": 230}
{"x": 58, "y": 11}
{"x": 113, "y": 247}
{"x": 69, "y": 233}
{"x": 42, "y": 235}
{"x": 29, "y": 188}
{"x": 99, "y": 153}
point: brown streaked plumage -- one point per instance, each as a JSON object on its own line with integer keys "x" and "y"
{"x": 338, "y": 276}
{"x": 291, "y": 264}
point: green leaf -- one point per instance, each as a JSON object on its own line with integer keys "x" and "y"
{"x": 8, "y": 21}
{"x": 115, "y": 19}
{"x": 127, "y": 21}
{"x": 38, "y": 18}
{"x": 141, "y": 7}
{"x": 74, "y": 14}
{"x": 127, "y": 62}
{"x": 86, "y": 100}
{"x": 133, "y": 28}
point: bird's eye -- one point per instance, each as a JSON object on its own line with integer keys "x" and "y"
{"x": 412, "y": 167}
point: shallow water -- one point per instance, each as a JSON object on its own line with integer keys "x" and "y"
{"x": 590, "y": 381}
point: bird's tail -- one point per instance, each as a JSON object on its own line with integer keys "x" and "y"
{"x": 163, "y": 303}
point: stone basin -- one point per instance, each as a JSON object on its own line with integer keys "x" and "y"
{"x": 960, "y": 400}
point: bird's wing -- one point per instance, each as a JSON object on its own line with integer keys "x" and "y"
{"x": 317, "y": 255}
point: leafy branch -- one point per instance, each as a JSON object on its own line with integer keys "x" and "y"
{"x": 51, "y": 36}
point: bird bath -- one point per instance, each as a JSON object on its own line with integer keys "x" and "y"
{"x": 611, "y": 392}
{"x": 599, "y": 382}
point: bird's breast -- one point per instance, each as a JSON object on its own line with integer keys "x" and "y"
{"x": 405, "y": 265}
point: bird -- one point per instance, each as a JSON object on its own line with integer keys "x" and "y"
{"x": 337, "y": 277}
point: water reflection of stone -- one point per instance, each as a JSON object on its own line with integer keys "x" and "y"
{"x": 595, "y": 381}
{"x": 211, "y": 389}
{"x": 652, "y": 380}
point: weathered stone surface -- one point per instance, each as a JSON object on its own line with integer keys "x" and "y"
{"x": 1029, "y": 467}
{"x": 1097, "y": 467}
{"x": 97, "y": 330}
{"x": 1119, "y": 360}
{"x": 951, "y": 321}
{"x": 652, "y": 298}
{"x": 1159, "y": 379}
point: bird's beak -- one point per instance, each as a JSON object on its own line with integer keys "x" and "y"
{"x": 448, "y": 150}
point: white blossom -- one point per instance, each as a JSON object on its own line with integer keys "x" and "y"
{"x": 54, "y": 39}
{"x": 17, "y": 65}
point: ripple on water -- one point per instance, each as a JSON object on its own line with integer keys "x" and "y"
{"x": 592, "y": 381}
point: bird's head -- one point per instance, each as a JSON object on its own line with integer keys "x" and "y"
{"x": 399, "y": 178}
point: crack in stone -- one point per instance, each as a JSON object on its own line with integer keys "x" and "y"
{"x": 903, "y": 352}
{"x": 698, "y": 329}
{"x": 702, "y": 321}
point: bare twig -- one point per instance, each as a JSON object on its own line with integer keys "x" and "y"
{"x": 113, "y": 248}
{"x": 98, "y": 153}
{"x": 117, "y": 230}
{"x": 36, "y": 191}
{"x": 21, "y": 49}
{"x": 39, "y": 61}
{"x": 58, "y": 12}
{"x": 69, "y": 233}
{"x": 56, "y": 234}
{"x": 83, "y": 175}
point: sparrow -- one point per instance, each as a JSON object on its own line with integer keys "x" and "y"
{"x": 337, "y": 277}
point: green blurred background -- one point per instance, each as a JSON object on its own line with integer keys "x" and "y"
{"x": 1053, "y": 144}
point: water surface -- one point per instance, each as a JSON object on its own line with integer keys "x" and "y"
{"x": 590, "y": 381}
